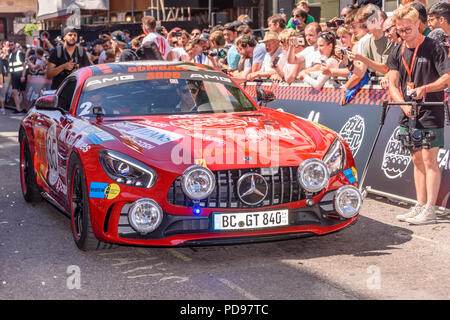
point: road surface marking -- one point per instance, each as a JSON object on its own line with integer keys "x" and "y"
{"x": 235, "y": 287}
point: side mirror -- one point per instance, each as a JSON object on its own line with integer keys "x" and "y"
{"x": 47, "y": 102}
{"x": 264, "y": 96}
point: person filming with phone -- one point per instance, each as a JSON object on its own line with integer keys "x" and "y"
{"x": 66, "y": 59}
{"x": 420, "y": 71}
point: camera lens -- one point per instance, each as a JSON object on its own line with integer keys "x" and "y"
{"x": 416, "y": 135}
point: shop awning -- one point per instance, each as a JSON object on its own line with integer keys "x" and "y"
{"x": 17, "y": 6}
{"x": 49, "y": 9}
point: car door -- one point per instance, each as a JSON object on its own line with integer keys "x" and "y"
{"x": 51, "y": 147}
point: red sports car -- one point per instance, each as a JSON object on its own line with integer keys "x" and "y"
{"x": 166, "y": 154}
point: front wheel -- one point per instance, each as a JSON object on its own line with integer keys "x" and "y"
{"x": 82, "y": 231}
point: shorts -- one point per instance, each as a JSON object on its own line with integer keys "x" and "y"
{"x": 16, "y": 84}
{"x": 436, "y": 142}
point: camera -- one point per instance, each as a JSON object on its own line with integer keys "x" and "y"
{"x": 336, "y": 23}
{"x": 217, "y": 53}
{"x": 275, "y": 61}
{"x": 416, "y": 138}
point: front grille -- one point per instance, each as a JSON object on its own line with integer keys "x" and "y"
{"x": 283, "y": 188}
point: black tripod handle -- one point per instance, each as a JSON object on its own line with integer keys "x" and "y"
{"x": 419, "y": 104}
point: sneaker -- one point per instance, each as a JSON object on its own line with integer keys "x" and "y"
{"x": 3, "y": 111}
{"x": 411, "y": 214}
{"x": 426, "y": 216}
{"x": 17, "y": 112}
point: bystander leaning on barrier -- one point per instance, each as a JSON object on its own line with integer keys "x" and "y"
{"x": 420, "y": 67}
{"x": 290, "y": 40}
{"x": 271, "y": 59}
{"x": 346, "y": 46}
{"x": 377, "y": 47}
{"x": 252, "y": 53}
{"x": 311, "y": 53}
{"x": 314, "y": 75}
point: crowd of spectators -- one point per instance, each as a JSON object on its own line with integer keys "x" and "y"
{"x": 353, "y": 46}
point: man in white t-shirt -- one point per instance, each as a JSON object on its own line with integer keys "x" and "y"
{"x": 149, "y": 28}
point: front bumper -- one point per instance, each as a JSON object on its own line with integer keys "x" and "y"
{"x": 318, "y": 219}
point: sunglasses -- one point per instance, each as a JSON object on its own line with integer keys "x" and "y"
{"x": 328, "y": 36}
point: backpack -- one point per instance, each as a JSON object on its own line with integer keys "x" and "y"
{"x": 149, "y": 51}
{"x": 129, "y": 55}
{"x": 59, "y": 52}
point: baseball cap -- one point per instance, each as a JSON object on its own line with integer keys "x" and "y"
{"x": 119, "y": 37}
{"x": 204, "y": 36}
{"x": 69, "y": 29}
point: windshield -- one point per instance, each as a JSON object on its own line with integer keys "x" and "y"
{"x": 132, "y": 95}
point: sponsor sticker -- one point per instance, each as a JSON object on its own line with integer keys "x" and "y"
{"x": 100, "y": 137}
{"x": 200, "y": 162}
{"x": 97, "y": 190}
{"x": 100, "y": 190}
{"x": 349, "y": 175}
{"x": 155, "y": 135}
{"x": 112, "y": 191}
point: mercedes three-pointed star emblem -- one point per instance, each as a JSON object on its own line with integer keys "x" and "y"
{"x": 252, "y": 188}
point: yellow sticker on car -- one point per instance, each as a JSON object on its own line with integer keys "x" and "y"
{"x": 112, "y": 191}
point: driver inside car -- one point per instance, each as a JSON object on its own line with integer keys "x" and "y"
{"x": 187, "y": 95}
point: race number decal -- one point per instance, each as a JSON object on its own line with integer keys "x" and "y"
{"x": 51, "y": 148}
{"x": 85, "y": 108}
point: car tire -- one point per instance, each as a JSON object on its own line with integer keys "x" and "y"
{"x": 30, "y": 189}
{"x": 81, "y": 224}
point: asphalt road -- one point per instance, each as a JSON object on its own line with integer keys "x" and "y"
{"x": 377, "y": 258}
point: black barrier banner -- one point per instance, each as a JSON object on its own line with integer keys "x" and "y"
{"x": 391, "y": 169}
{"x": 357, "y": 122}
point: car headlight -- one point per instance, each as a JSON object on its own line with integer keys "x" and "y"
{"x": 334, "y": 159}
{"x": 313, "y": 175}
{"x": 145, "y": 215}
{"x": 126, "y": 170}
{"x": 198, "y": 182}
{"x": 347, "y": 201}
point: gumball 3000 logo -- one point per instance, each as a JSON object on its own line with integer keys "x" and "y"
{"x": 396, "y": 159}
{"x": 353, "y": 133}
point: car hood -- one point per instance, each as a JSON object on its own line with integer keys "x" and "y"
{"x": 261, "y": 138}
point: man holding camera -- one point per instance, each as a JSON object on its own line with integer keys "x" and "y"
{"x": 420, "y": 70}
{"x": 66, "y": 59}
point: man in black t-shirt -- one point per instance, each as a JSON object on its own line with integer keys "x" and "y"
{"x": 66, "y": 59}
{"x": 420, "y": 66}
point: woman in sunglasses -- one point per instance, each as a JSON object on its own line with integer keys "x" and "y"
{"x": 314, "y": 76}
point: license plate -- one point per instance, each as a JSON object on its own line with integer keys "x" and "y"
{"x": 250, "y": 220}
